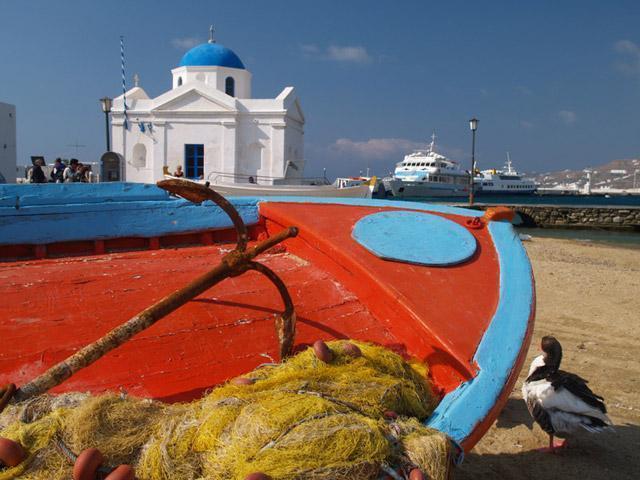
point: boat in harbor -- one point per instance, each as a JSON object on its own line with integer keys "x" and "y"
{"x": 503, "y": 181}
{"x": 427, "y": 173}
{"x": 80, "y": 260}
{"x": 321, "y": 187}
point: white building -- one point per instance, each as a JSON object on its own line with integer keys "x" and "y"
{"x": 209, "y": 123}
{"x": 7, "y": 143}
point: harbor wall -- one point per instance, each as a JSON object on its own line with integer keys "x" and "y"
{"x": 614, "y": 218}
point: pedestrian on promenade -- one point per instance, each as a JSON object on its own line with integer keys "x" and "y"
{"x": 57, "y": 174}
{"x": 69, "y": 174}
{"x": 37, "y": 174}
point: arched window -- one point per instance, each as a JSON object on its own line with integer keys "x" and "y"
{"x": 230, "y": 86}
{"x": 179, "y": 81}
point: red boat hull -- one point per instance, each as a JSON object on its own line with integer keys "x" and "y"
{"x": 52, "y": 307}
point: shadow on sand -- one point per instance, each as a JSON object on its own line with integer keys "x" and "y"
{"x": 606, "y": 455}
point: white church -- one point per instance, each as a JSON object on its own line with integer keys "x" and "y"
{"x": 209, "y": 124}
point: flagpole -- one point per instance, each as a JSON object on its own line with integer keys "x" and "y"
{"x": 124, "y": 83}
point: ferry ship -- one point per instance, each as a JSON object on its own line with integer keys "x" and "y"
{"x": 506, "y": 181}
{"x": 426, "y": 173}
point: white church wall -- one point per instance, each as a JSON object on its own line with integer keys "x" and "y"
{"x": 185, "y": 75}
{"x": 159, "y": 157}
{"x": 259, "y": 105}
{"x": 260, "y": 147}
{"x": 276, "y": 165}
{"x": 242, "y": 81}
{"x": 229, "y": 150}
{"x": 251, "y": 143}
{"x": 211, "y": 135}
{"x": 294, "y": 150}
{"x": 117, "y": 137}
{"x": 214, "y": 77}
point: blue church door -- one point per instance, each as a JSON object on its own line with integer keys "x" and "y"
{"x": 194, "y": 160}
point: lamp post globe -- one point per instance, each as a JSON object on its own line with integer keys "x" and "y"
{"x": 106, "y": 104}
{"x": 473, "y": 126}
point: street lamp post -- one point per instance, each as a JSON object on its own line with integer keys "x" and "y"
{"x": 106, "y": 103}
{"x": 473, "y": 125}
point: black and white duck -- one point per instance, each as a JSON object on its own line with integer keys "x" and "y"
{"x": 561, "y": 402}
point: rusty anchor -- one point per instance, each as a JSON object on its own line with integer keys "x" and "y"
{"x": 235, "y": 263}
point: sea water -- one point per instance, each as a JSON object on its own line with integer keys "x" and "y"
{"x": 602, "y": 201}
{"x": 629, "y": 239}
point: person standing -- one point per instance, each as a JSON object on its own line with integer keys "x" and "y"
{"x": 69, "y": 174}
{"x": 37, "y": 175}
{"x": 178, "y": 173}
{"x": 57, "y": 174}
{"x": 82, "y": 175}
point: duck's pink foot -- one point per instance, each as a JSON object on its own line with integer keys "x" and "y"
{"x": 559, "y": 443}
{"x": 554, "y": 446}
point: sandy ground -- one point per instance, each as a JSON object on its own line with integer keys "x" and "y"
{"x": 588, "y": 297}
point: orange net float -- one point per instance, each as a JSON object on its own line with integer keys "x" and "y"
{"x": 11, "y": 453}
{"x": 390, "y": 414}
{"x": 122, "y": 472}
{"x": 6, "y": 394}
{"x": 87, "y": 464}
{"x": 257, "y": 476}
{"x": 352, "y": 350}
{"x": 322, "y": 351}
{"x": 416, "y": 474}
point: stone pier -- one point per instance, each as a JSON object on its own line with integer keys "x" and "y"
{"x": 614, "y": 218}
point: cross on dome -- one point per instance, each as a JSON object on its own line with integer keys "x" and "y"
{"x": 211, "y": 39}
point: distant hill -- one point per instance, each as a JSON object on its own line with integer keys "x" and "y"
{"x": 615, "y": 174}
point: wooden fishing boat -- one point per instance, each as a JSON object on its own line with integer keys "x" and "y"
{"x": 449, "y": 286}
{"x": 342, "y": 187}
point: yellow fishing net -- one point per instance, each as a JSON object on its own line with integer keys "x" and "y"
{"x": 302, "y": 419}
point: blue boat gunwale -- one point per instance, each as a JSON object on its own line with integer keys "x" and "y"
{"x": 460, "y": 412}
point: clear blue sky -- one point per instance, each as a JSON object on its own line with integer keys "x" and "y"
{"x": 556, "y": 83}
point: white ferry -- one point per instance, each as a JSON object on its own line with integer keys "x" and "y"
{"x": 426, "y": 173}
{"x": 506, "y": 181}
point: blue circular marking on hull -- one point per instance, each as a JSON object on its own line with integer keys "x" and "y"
{"x": 414, "y": 237}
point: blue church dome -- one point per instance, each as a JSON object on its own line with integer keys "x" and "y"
{"x": 211, "y": 55}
